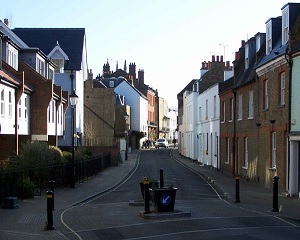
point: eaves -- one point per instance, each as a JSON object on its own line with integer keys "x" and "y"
{"x": 270, "y": 65}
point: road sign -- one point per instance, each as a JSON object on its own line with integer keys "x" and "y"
{"x": 165, "y": 199}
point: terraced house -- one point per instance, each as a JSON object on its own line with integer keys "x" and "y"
{"x": 257, "y": 141}
{"x": 32, "y": 106}
{"x": 258, "y": 110}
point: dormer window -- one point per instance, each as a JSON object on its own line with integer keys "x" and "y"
{"x": 59, "y": 63}
{"x": 269, "y": 37}
{"x": 12, "y": 57}
{"x": 58, "y": 57}
{"x": 246, "y": 56}
{"x": 285, "y": 26}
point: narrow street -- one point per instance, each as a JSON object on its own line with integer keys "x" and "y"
{"x": 110, "y": 216}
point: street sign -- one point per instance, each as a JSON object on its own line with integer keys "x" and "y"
{"x": 165, "y": 199}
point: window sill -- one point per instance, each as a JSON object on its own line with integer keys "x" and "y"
{"x": 227, "y": 162}
{"x": 250, "y": 118}
{"x": 244, "y": 167}
{"x": 272, "y": 169}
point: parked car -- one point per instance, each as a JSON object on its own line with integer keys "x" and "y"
{"x": 162, "y": 142}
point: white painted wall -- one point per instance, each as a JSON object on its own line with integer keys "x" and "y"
{"x": 208, "y": 129}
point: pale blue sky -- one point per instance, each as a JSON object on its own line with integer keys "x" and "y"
{"x": 169, "y": 39}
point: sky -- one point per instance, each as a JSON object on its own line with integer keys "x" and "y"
{"x": 168, "y": 39}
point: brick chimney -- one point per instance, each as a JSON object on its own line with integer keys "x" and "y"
{"x": 141, "y": 76}
{"x": 6, "y": 21}
{"x": 132, "y": 71}
{"x": 90, "y": 74}
{"x": 106, "y": 68}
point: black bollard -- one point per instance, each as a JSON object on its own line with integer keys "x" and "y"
{"x": 50, "y": 210}
{"x": 147, "y": 195}
{"x": 237, "y": 189}
{"x": 275, "y": 194}
{"x": 52, "y": 189}
{"x": 161, "y": 180}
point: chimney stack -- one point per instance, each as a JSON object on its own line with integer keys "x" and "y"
{"x": 213, "y": 58}
{"x": 141, "y": 76}
{"x": 6, "y": 21}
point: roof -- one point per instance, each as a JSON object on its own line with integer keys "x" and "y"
{"x": 71, "y": 40}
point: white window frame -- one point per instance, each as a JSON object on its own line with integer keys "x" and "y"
{"x": 285, "y": 26}
{"x": 246, "y": 153}
{"x": 273, "y": 163}
{"x": 247, "y": 56}
{"x": 59, "y": 64}
{"x": 227, "y": 161}
{"x": 251, "y": 107}
{"x": 266, "y": 95}
{"x": 206, "y": 109}
{"x": 40, "y": 66}
{"x": 215, "y": 106}
{"x": 20, "y": 108}
{"x": 10, "y": 107}
{"x": 52, "y": 111}
{"x": 240, "y": 107}
{"x": 200, "y": 114}
{"x": 223, "y": 111}
{"x": 12, "y": 57}
{"x": 26, "y": 108}
{"x": 282, "y": 89}
{"x": 269, "y": 37}
{"x": 231, "y": 107}
{"x": 2, "y": 99}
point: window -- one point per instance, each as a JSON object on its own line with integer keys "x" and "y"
{"x": 245, "y": 152}
{"x": 269, "y": 37}
{"x": 49, "y": 113}
{"x": 223, "y": 111}
{"x": 285, "y": 26}
{"x": 200, "y": 114}
{"x": 52, "y": 111}
{"x": 10, "y": 104}
{"x": 240, "y": 107}
{"x": 2, "y": 103}
{"x": 111, "y": 84}
{"x": 206, "y": 109}
{"x": 41, "y": 67}
{"x": 227, "y": 150}
{"x": 231, "y": 109}
{"x": 12, "y": 58}
{"x": 20, "y": 108}
{"x": 251, "y": 104}
{"x": 282, "y": 89}
{"x": 273, "y": 163}
{"x": 246, "y": 56}
{"x": 59, "y": 65}
{"x": 215, "y": 106}
{"x": 266, "y": 96}
{"x": 26, "y": 111}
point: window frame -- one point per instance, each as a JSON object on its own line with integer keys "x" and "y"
{"x": 282, "y": 89}
{"x": 240, "y": 117}
{"x": 266, "y": 94}
{"x": 250, "y": 105}
{"x": 273, "y": 150}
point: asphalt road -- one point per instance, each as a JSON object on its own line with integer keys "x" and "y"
{"x": 110, "y": 216}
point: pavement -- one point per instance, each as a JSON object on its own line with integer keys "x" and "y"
{"x": 29, "y": 220}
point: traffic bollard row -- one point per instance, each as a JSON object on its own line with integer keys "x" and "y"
{"x": 147, "y": 195}
{"x": 50, "y": 203}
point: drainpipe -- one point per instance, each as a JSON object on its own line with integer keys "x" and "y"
{"x": 288, "y": 57}
{"x": 234, "y": 170}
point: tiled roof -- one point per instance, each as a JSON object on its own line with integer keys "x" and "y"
{"x": 71, "y": 40}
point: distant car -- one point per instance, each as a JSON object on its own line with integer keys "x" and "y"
{"x": 162, "y": 142}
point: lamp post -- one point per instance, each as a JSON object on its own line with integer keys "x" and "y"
{"x": 126, "y": 116}
{"x": 73, "y": 100}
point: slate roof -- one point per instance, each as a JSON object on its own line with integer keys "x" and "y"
{"x": 71, "y": 40}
